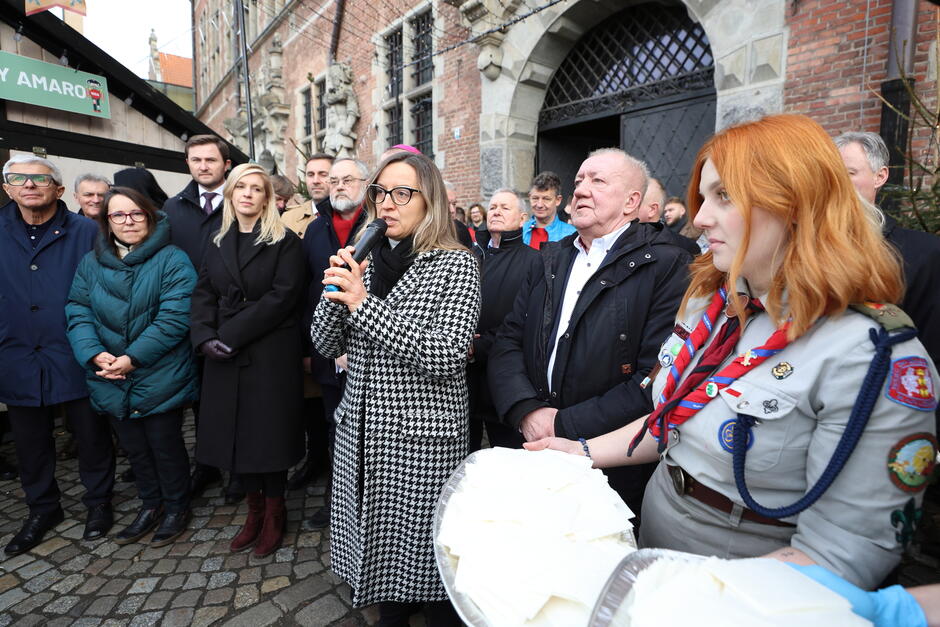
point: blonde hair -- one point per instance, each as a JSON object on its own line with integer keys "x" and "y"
{"x": 788, "y": 166}
{"x": 271, "y": 228}
{"x": 436, "y": 230}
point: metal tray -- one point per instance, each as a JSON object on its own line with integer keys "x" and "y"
{"x": 612, "y": 608}
{"x": 468, "y": 611}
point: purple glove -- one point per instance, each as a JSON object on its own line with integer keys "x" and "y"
{"x": 216, "y": 349}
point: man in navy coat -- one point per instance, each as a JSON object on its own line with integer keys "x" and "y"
{"x": 41, "y": 243}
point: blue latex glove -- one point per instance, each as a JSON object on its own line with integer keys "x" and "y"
{"x": 888, "y": 607}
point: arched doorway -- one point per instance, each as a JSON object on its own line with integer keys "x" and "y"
{"x": 643, "y": 80}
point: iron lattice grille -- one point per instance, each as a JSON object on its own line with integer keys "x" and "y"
{"x": 644, "y": 53}
{"x": 321, "y": 105}
{"x": 393, "y": 125}
{"x": 423, "y": 125}
{"x": 308, "y": 113}
{"x": 393, "y": 62}
{"x": 424, "y": 66}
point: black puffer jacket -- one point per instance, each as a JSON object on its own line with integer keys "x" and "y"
{"x": 625, "y": 311}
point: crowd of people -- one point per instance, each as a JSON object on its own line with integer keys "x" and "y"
{"x": 758, "y": 319}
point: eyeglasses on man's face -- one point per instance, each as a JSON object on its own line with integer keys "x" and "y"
{"x": 18, "y": 179}
{"x": 346, "y": 181}
{"x": 401, "y": 195}
{"x": 120, "y": 217}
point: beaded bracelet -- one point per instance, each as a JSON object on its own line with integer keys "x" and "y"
{"x": 584, "y": 445}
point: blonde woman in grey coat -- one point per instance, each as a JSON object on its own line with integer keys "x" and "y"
{"x": 405, "y": 318}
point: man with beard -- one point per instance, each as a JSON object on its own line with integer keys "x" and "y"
{"x": 340, "y": 219}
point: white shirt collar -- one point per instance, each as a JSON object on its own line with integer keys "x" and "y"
{"x": 217, "y": 190}
{"x": 604, "y": 242}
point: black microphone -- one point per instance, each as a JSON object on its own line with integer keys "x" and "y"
{"x": 374, "y": 233}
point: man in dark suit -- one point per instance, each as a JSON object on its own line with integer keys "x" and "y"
{"x": 195, "y": 214}
{"x": 569, "y": 360}
{"x": 866, "y": 157}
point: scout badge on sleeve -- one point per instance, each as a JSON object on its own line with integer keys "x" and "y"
{"x": 911, "y": 384}
{"x": 668, "y": 352}
{"x": 911, "y": 461}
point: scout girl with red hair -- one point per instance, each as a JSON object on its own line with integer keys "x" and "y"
{"x": 793, "y": 403}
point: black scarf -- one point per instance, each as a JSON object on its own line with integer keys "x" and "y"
{"x": 390, "y": 264}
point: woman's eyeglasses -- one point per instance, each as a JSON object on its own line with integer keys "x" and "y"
{"x": 17, "y": 179}
{"x": 119, "y": 217}
{"x": 401, "y": 195}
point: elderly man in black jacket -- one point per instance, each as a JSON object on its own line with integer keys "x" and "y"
{"x": 570, "y": 359}
{"x": 508, "y": 269}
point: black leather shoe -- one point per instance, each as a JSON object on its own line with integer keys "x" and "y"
{"x": 146, "y": 520}
{"x": 171, "y": 528}
{"x": 202, "y": 478}
{"x": 319, "y": 520}
{"x": 33, "y": 531}
{"x": 302, "y": 477}
{"x": 8, "y": 471}
{"x": 99, "y": 521}
{"x": 235, "y": 492}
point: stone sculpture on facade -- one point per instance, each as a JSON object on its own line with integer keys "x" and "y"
{"x": 342, "y": 112}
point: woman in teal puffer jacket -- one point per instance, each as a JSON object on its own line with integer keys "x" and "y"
{"x": 128, "y": 323}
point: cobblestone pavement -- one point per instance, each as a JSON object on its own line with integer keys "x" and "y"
{"x": 195, "y": 581}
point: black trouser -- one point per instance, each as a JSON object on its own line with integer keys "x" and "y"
{"x": 268, "y": 483}
{"x": 35, "y": 450}
{"x": 157, "y": 453}
{"x": 436, "y": 614}
{"x": 497, "y": 433}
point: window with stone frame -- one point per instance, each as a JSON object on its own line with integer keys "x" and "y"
{"x": 408, "y": 85}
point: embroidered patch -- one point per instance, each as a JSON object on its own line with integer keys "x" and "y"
{"x": 770, "y": 406}
{"x": 911, "y": 384}
{"x": 666, "y": 360}
{"x": 782, "y": 370}
{"x": 906, "y": 521}
{"x": 911, "y": 461}
{"x": 726, "y": 436}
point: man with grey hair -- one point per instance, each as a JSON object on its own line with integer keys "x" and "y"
{"x": 571, "y": 357}
{"x": 41, "y": 244}
{"x": 866, "y": 158}
{"x": 507, "y": 268}
{"x": 89, "y": 191}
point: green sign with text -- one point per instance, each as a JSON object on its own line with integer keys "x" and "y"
{"x": 55, "y": 86}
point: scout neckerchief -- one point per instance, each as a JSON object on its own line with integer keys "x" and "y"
{"x": 674, "y": 407}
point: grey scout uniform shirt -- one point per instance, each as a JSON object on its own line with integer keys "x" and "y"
{"x": 801, "y": 417}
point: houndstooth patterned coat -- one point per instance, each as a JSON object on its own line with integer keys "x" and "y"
{"x": 407, "y": 387}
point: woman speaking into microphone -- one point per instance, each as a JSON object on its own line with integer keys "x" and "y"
{"x": 405, "y": 318}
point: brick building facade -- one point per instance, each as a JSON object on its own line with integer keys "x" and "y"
{"x": 481, "y": 106}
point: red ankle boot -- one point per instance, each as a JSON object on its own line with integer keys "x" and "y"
{"x": 272, "y": 532}
{"x": 248, "y": 535}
